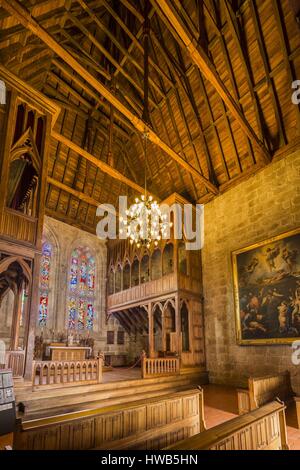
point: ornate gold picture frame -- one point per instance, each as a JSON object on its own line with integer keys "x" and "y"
{"x": 266, "y": 279}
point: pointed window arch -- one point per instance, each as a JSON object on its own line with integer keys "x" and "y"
{"x": 47, "y": 252}
{"x": 81, "y": 298}
{"x": 126, "y": 275}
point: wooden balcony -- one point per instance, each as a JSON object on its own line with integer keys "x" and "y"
{"x": 151, "y": 289}
{"x": 19, "y": 226}
{"x": 142, "y": 292}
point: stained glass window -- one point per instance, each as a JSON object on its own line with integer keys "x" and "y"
{"x": 44, "y": 283}
{"x": 81, "y": 290}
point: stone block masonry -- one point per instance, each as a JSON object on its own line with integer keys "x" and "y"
{"x": 264, "y": 206}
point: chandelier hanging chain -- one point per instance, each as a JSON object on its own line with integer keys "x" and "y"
{"x": 146, "y": 161}
{"x": 146, "y": 33}
{"x": 146, "y": 224}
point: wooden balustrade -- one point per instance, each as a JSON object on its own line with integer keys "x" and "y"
{"x": 15, "y": 360}
{"x": 152, "y": 367}
{"x": 261, "y": 429}
{"x": 143, "y": 291}
{"x": 61, "y": 373}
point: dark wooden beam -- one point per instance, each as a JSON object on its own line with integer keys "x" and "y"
{"x": 13, "y": 7}
{"x": 98, "y": 163}
{"x": 177, "y": 28}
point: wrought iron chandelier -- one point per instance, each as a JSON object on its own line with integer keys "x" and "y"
{"x": 145, "y": 224}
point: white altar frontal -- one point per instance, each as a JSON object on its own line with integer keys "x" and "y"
{"x": 69, "y": 353}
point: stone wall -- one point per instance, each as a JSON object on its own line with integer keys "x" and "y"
{"x": 265, "y": 205}
{"x": 64, "y": 239}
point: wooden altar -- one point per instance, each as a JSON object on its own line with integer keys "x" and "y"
{"x": 69, "y": 353}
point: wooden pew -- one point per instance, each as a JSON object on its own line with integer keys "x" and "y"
{"x": 297, "y": 402}
{"x": 261, "y": 429}
{"x": 262, "y": 390}
{"x": 145, "y": 424}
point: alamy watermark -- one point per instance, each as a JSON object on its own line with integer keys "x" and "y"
{"x": 296, "y": 353}
{"x": 296, "y": 94}
{"x": 188, "y": 222}
{"x": 2, "y": 92}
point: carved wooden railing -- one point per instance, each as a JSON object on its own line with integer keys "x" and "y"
{"x": 165, "y": 284}
{"x": 261, "y": 429}
{"x": 152, "y": 367}
{"x": 60, "y": 373}
{"x": 15, "y": 360}
{"x": 143, "y": 291}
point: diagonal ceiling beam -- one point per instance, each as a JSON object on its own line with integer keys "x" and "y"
{"x": 177, "y": 28}
{"x": 98, "y": 163}
{"x": 23, "y": 15}
{"x": 73, "y": 192}
{"x": 77, "y": 194}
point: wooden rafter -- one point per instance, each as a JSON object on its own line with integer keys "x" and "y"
{"x": 98, "y": 163}
{"x": 177, "y": 28}
{"x": 13, "y": 7}
{"x": 117, "y": 43}
{"x": 69, "y": 220}
{"x": 78, "y": 194}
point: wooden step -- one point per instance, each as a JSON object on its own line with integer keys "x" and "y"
{"x": 61, "y": 399}
{"x": 25, "y": 392}
{"x": 72, "y": 398}
{"x": 102, "y": 403}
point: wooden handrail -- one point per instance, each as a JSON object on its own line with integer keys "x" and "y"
{"x": 58, "y": 373}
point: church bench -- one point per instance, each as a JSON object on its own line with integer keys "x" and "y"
{"x": 262, "y": 390}
{"x": 261, "y": 429}
{"x": 297, "y": 402}
{"x": 144, "y": 424}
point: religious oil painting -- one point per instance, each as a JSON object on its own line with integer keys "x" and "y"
{"x": 267, "y": 290}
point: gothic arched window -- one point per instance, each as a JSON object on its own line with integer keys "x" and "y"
{"x": 44, "y": 283}
{"x": 81, "y": 290}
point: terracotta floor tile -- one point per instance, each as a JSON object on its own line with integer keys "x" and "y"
{"x": 220, "y": 405}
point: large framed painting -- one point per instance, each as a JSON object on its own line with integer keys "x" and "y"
{"x": 267, "y": 290}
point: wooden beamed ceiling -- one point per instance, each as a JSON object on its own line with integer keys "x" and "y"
{"x": 220, "y": 93}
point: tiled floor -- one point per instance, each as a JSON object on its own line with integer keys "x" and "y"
{"x": 220, "y": 404}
